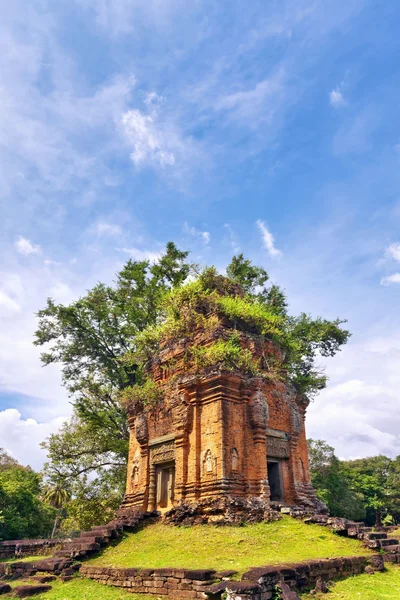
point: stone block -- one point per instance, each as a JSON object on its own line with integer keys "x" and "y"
{"x": 25, "y": 591}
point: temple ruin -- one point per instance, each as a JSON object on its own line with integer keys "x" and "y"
{"x": 217, "y": 432}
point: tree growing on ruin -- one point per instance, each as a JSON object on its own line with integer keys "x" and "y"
{"x": 103, "y": 341}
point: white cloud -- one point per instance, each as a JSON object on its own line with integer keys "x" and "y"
{"x": 149, "y": 145}
{"x": 153, "y": 100}
{"x": 232, "y": 238}
{"x": 205, "y": 236}
{"x": 22, "y": 437}
{"x": 268, "y": 239}
{"x": 24, "y": 246}
{"x": 358, "y": 411}
{"x": 395, "y": 278}
{"x": 7, "y": 304}
{"x": 336, "y": 98}
{"x": 137, "y": 254}
{"x": 51, "y": 263}
{"x": 110, "y": 229}
{"x": 259, "y": 103}
{"x": 394, "y": 251}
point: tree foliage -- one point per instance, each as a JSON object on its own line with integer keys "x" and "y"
{"x": 23, "y": 514}
{"x": 331, "y": 484}
{"x": 89, "y": 339}
{"x": 377, "y": 479}
{"x": 362, "y": 489}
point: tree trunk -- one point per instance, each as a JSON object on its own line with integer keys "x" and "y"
{"x": 55, "y": 525}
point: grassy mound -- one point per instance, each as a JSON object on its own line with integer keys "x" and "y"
{"x": 380, "y": 586}
{"x": 220, "y": 548}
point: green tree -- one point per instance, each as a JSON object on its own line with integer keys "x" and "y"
{"x": 23, "y": 514}
{"x": 57, "y": 497}
{"x": 89, "y": 339}
{"x": 331, "y": 484}
{"x": 377, "y": 479}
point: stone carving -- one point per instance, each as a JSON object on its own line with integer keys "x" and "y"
{"x": 183, "y": 414}
{"x": 259, "y": 411}
{"x": 296, "y": 419}
{"x": 208, "y": 462}
{"x": 141, "y": 428}
{"x": 277, "y": 447}
{"x": 163, "y": 453}
{"x": 135, "y": 468}
{"x": 234, "y": 460}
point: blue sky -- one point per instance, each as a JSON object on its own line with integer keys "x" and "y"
{"x": 270, "y": 128}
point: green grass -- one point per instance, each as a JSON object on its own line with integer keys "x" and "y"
{"x": 80, "y": 589}
{"x": 239, "y": 548}
{"x": 380, "y": 586}
{"x": 24, "y": 559}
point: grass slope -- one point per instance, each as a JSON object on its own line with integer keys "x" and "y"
{"x": 80, "y": 588}
{"x": 380, "y": 586}
{"x": 239, "y": 548}
{"x": 25, "y": 558}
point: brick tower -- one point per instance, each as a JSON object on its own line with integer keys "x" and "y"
{"x": 217, "y": 433}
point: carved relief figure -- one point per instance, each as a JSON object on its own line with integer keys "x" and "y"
{"x": 259, "y": 411}
{"x": 234, "y": 460}
{"x": 135, "y": 468}
{"x": 208, "y": 462}
{"x": 296, "y": 419}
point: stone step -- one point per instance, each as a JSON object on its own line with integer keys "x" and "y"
{"x": 389, "y": 542}
{"x": 93, "y": 539}
{"x": 376, "y": 536}
{"x": 394, "y": 549}
{"x": 358, "y": 531}
{"x": 87, "y": 547}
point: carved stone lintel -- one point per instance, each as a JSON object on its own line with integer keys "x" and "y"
{"x": 277, "y": 448}
{"x": 162, "y": 453}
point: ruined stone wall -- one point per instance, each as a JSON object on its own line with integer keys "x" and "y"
{"x": 256, "y": 584}
{"x": 20, "y": 548}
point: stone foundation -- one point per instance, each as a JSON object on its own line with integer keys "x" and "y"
{"x": 257, "y": 584}
{"x": 222, "y": 511}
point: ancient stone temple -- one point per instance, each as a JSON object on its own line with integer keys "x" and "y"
{"x": 218, "y": 433}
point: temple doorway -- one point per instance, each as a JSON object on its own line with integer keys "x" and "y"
{"x": 275, "y": 480}
{"x": 165, "y": 484}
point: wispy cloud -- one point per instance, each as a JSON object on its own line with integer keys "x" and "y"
{"x": 336, "y": 98}
{"x": 259, "y": 103}
{"x": 108, "y": 229}
{"x": 138, "y": 254}
{"x": 25, "y": 246}
{"x": 149, "y": 144}
{"x": 268, "y": 239}
{"x": 394, "y": 251}
{"x": 8, "y": 304}
{"x": 395, "y": 278}
{"x": 232, "y": 238}
{"x": 205, "y": 236}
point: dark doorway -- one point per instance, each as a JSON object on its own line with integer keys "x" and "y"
{"x": 274, "y": 480}
{"x": 165, "y": 478}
